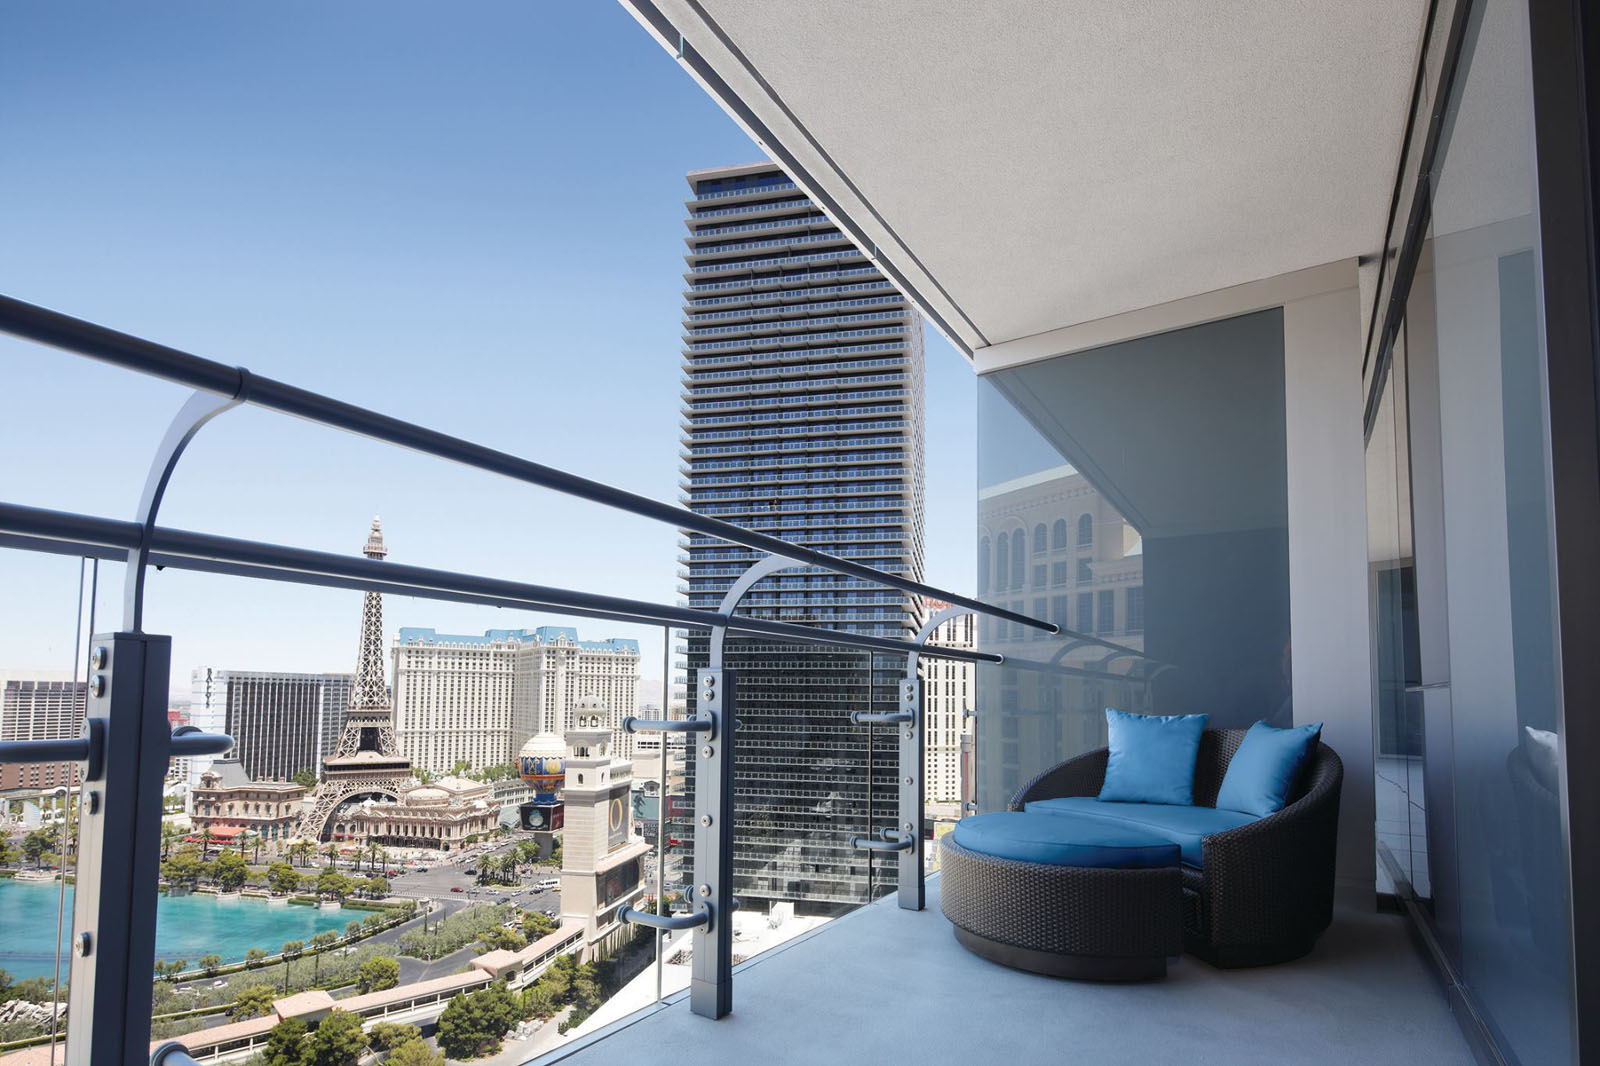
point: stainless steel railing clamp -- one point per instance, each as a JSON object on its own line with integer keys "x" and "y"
{"x": 890, "y": 841}
{"x": 702, "y": 724}
{"x": 701, "y": 916}
{"x": 881, "y": 717}
{"x": 189, "y": 741}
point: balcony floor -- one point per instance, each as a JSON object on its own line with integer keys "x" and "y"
{"x": 884, "y": 985}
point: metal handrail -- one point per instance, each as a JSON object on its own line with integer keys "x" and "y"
{"x": 133, "y": 353}
{"x": 61, "y": 532}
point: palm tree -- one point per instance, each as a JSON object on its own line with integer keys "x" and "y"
{"x": 375, "y": 854}
{"x": 299, "y": 850}
{"x": 332, "y": 852}
{"x": 170, "y": 834}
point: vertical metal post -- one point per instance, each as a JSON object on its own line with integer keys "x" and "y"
{"x": 711, "y": 977}
{"x": 119, "y": 846}
{"x": 912, "y": 895}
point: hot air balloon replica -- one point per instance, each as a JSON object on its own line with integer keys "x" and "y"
{"x": 542, "y": 763}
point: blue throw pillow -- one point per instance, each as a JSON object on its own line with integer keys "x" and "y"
{"x": 1152, "y": 757}
{"x": 1266, "y": 767}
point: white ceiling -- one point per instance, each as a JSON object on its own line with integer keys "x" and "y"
{"x": 1025, "y": 165}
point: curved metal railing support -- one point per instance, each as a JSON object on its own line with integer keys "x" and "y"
{"x": 762, "y": 568}
{"x": 197, "y": 410}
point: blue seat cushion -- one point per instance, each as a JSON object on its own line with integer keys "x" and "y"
{"x": 1266, "y": 767}
{"x": 1152, "y": 757}
{"x": 1057, "y": 840}
{"x": 1183, "y": 826}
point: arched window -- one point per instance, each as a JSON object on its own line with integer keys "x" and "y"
{"x": 1085, "y": 531}
{"x": 983, "y": 566}
{"x": 1002, "y": 560}
{"x": 1039, "y": 539}
{"x": 1058, "y": 535}
{"x": 1019, "y": 558}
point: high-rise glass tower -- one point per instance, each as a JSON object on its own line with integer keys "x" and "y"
{"x": 803, "y": 418}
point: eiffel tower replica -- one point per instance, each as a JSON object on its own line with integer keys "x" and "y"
{"x": 368, "y": 762}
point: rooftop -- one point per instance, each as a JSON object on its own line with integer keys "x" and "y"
{"x": 889, "y": 985}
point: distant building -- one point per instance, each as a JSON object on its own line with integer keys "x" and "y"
{"x": 40, "y": 705}
{"x": 281, "y": 722}
{"x": 478, "y": 698}
{"x": 949, "y": 691}
{"x": 441, "y": 814}
{"x": 802, "y": 418}
{"x": 229, "y": 803}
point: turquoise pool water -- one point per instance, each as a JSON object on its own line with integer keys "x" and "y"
{"x": 187, "y": 927}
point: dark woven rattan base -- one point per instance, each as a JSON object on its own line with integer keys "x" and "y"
{"x": 1076, "y": 967}
{"x": 1095, "y": 924}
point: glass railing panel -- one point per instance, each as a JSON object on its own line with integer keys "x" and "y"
{"x": 43, "y": 696}
{"x": 1164, "y": 560}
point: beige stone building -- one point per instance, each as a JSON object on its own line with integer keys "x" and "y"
{"x": 441, "y": 814}
{"x": 228, "y": 803}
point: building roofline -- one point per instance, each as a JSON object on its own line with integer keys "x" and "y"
{"x": 734, "y": 170}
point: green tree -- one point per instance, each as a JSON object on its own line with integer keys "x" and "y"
{"x": 352, "y": 928}
{"x": 305, "y": 777}
{"x": 253, "y": 1001}
{"x": 210, "y": 964}
{"x": 539, "y": 1000}
{"x": 281, "y": 878}
{"x": 414, "y": 1053}
{"x": 286, "y": 1044}
{"x": 377, "y": 886}
{"x": 35, "y": 844}
{"x": 301, "y": 850}
{"x": 320, "y": 943}
{"x": 499, "y": 938}
{"x": 170, "y": 835}
{"x": 339, "y": 1040}
{"x": 229, "y": 871}
{"x": 6, "y": 981}
{"x": 333, "y": 883}
{"x": 473, "y": 1024}
{"x": 536, "y": 925}
{"x": 254, "y": 957}
{"x": 378, "y": 973}
{"x": 167, "y": 970}
{"x": 386, "y": 1036}
{"x": 186, "y": 867}
{"x": 461, "y": 767}
{"x": 291, "y": 950}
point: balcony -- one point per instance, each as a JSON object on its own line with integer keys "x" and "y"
{"x": 889, "y": 985}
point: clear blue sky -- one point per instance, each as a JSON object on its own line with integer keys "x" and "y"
{"x": 467, "y": 215}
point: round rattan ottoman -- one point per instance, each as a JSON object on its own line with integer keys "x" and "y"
{"x": 1064, "y": 896}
